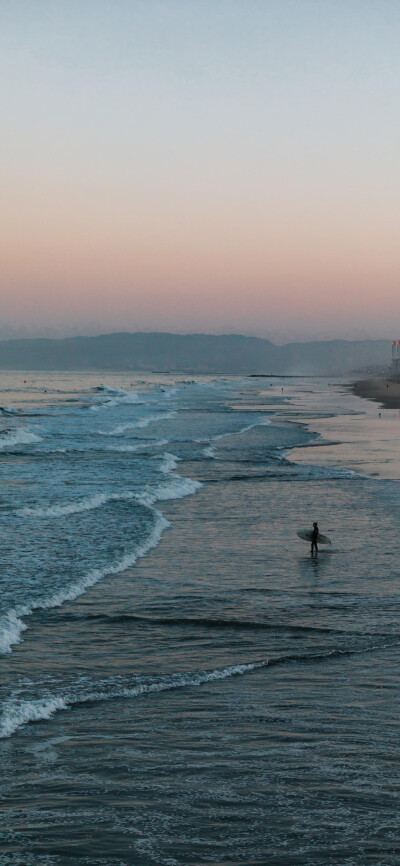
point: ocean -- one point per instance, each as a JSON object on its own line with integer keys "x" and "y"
{"x": 181, "y": 683}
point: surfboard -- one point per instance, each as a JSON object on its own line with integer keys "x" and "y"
{"x": 306, "y": 535}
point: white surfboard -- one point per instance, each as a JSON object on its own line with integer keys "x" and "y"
{"x": 306, "y": 535}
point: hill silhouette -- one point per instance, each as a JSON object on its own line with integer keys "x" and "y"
{"x": 193, "y": 353}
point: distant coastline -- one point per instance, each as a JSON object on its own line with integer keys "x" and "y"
{"x": 190, "y": 354}
{"x": 384, "y": 391}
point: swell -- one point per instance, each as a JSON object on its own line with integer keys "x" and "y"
{"x": 174, "y": 488}
{"x": 203, "y": 623}
{"x": 12, "y": 624}
{"x": 18, "y": 436}
{"x": 19, "y": 712}
{"x": 139, "y": 424}
{"x": 91, "y": 502}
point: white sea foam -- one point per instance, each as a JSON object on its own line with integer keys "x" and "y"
{"x": 169, "y": 462}
{"x": 10, "y": 410}
{"x": 262, "y": 422}
{"x": 111, "y": 397}
{"x": 12, "y": 625}
{"x": 18, "y": 436}
{"x": 322, "y": 472}
{"x": 141, "y": 446}
{"x": 11, "y": 628}
{"x": 17, "y": 712}
{"x": 139, "y": 424}
{"x": 87, "y": 504}
{"x": 176, "y": 488}
{"x": 114, "y": 396}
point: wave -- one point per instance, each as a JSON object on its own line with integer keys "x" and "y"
{"x": 169, "y": 462}
{"x": 176, "y": 488}
{"x": 210, "y": 451}
{"x": 12, "y": 624}
{"x": 19, "y": 712}
{"x": 16, "y": 713}
{"x": 10, "y": 410}
{"x": 106, "y": 389}
{"x": 206, "y": 623}
{"x": 144, "y": 444}
{"x": 11, "y": 628}
{"x": 140, "y": 424}
{"x": 87, "y": 504}
{"x": 169, "y": 392}
{"x": 18, "y": 436}
{"x": 324, "y": 472}
{"x": 130, "y": 396}
{"x": 113, "y": 397}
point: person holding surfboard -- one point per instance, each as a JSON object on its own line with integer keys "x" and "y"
{"x": 314, "y": 538}
{"x": 314, "y": 535}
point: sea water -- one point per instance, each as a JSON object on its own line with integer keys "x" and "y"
{"x": 181, "y": 682}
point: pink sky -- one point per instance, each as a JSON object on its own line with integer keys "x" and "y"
{"x": 217, "y": 171}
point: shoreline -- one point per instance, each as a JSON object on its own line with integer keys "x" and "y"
{"x": 384, "y": 391}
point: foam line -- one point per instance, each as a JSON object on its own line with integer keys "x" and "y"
{"x": 169, "y": 462}
{"x": 18, "y": 713}
{"x": 144, "y": 445}
{"x": 18, "y": 436}
{"x": 12, "y": 624}
{"x": 134, "y": 425}
{"x": 176, "y": 488}
{"x": 87, "y": 504}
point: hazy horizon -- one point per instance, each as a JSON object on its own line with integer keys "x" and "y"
{"x": 278, "y": 339}
{"x": 203, "y": 167}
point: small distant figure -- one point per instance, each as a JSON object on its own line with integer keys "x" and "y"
{"x": 314, "y": 538}
{"x": 380, "y": 415}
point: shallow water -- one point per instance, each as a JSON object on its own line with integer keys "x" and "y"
{"x": 181, "y": 683}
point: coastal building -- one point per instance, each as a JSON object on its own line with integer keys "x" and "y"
{"x": 395, "y": 368}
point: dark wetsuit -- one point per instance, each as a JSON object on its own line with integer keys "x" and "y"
{"x": 314, "y": 539}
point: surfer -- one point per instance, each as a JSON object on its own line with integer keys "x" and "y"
{"x": 314, "y": 538}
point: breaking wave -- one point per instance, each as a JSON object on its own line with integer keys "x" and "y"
{"x": 140, "y": 424}
{"x": 169, "y": 462}
{"x": 87, "y": 504}
{"x": 18, "y": 712}
{"x": 176, "y": 488}
{"x": 12, "y": 624}
{"x": 18, "y": 436}
{"x": 140, "y": 447}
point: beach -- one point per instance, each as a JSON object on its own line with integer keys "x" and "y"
{"x": 225, "y": 697}
{"x": 383, "y": 390}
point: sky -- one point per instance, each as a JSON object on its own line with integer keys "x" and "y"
{"x": 200, "y": 165}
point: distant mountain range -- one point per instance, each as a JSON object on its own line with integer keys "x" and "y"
{"x": 193, "y": 353}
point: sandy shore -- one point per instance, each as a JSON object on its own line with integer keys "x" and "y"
{"x": 384, "y": 391}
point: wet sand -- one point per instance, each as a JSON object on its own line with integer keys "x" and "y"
{"x": 362, "y": 438}
{"x": 384, "y": 391}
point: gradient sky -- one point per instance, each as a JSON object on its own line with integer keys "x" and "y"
{"x": 200, "y": 165}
